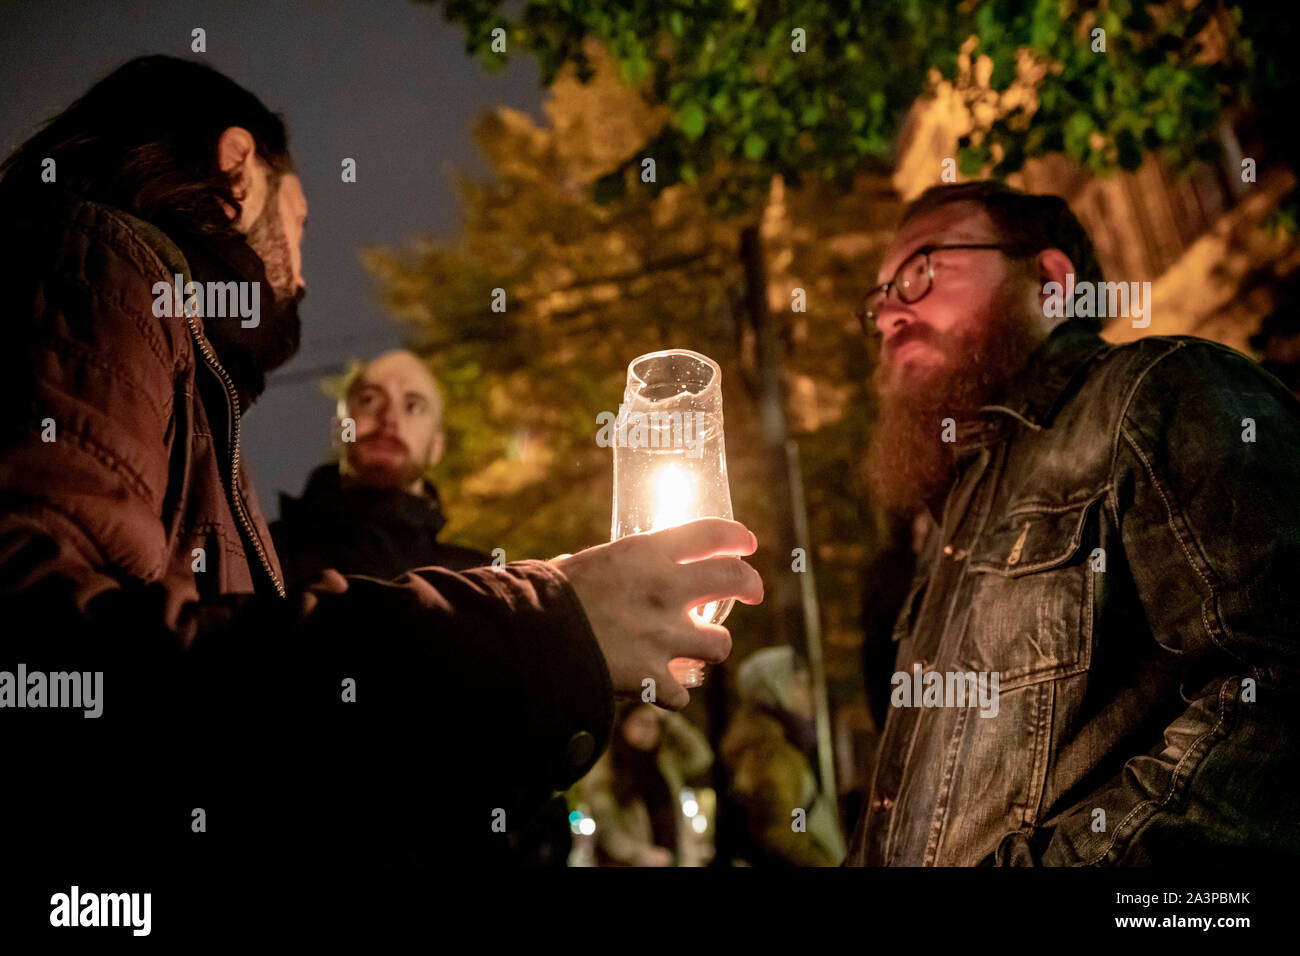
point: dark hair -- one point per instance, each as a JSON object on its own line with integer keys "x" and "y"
{"x": 144, "y": 140}
{"x": 1037, "y": 221}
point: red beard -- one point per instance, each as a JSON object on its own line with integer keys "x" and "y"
{"x": 908, "y": 465}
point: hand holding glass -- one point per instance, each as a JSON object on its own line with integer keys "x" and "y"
{"x": 670, "y": 463}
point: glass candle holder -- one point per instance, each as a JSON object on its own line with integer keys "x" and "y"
{"x": 670, "y": 462}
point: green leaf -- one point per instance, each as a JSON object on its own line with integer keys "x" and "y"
{"x": 1166, "y": 123}
{"x": 971, "y": 160}
{"x": 1078, "y": 128}
{"x": 634, "y": 68}
{"x": 1004, "y": 70}
{"x": 811, "y": 115}
{"x": 692, "y": 121}
{"x": 754, "y": 146}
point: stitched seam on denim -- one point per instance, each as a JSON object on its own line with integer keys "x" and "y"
{"x": 902, "y": 788}
{"x": 1155, "y": 806}
{"x": 1119, "y": 425}
{"x": 1034, "y": 507}
{"x": 1037, "y": 784}
{"x": 1211, "y": 629}
{"x": 1170, "y": 510}
{"x": 960, "y": 582}
{"x": 1023, "y": 570}
{"x": 1132, "y": 393}
{"x": 990, "y": 476}
{"x": 1013, "y": 413}
{"x": 944, "y": 794}
{"x": 997, "y": 466}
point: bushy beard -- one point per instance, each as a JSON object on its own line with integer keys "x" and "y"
{"x": 908, "y": 465}
{"x": 400, "y": 477}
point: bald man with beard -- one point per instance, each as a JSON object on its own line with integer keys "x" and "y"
{"x": 375, "y": 512}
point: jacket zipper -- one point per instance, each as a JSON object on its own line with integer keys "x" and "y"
{"x": 236, "y": 501}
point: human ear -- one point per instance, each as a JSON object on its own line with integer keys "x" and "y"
{"x": 237, "y": 156}
{"x": 1053, "y": 265}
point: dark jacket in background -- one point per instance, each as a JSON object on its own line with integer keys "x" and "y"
{"x": 384, "y": 533}
{"x": 132, "y": 544}
{"x": 377, "y": 532}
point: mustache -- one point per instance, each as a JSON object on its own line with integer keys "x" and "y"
{"x": 381, "y": 436}
{"x": 912, "y": 332}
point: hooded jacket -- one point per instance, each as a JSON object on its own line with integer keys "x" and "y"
{"x": 770, "y": 753}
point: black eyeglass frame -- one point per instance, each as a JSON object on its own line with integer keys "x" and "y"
{"x": 1014, "y": 249}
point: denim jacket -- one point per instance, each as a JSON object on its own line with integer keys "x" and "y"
{"x": 1121, "y": 549}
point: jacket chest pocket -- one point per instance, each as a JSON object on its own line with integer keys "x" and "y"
{"x": 1030, "y": 610}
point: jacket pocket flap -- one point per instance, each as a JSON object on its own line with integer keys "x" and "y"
{"x": 1029, "y": 540}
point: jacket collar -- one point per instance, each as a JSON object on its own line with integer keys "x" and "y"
{"x": 325, "y": 498}
{"x": 1033, "y": 396}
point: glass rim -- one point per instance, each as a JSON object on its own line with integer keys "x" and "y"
{"x": 715, "y": 381}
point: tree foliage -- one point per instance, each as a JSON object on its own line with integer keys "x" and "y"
{"x": 741, "y": 92}
{"x": 785, "y": 113}
{"x": 589, "y": 287}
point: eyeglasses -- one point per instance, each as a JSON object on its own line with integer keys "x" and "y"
{"x": 915, "y": 278}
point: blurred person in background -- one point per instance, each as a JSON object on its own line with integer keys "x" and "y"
{"x": 770, "y": 752}
{"x": 375, "y": 512}
{"x": 634, "y": 790}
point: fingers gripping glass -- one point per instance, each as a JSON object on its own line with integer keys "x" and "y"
{"x": 915, "y": 277}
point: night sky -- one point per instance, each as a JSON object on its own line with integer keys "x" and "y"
{"x": 386, "y": 83}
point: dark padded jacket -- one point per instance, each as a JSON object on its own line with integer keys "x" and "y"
{"x": 131, "y": 543}
{"x": 371, "y": 531}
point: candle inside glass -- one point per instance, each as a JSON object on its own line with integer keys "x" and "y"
{"x": 670, "y": 462}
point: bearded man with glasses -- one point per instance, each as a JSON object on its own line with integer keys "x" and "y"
{"x": 1113, "y": 548}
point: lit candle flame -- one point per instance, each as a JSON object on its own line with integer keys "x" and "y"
{"x": 674, "y": 496}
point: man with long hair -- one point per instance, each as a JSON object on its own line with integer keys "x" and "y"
{"x": 241, "y": 723}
